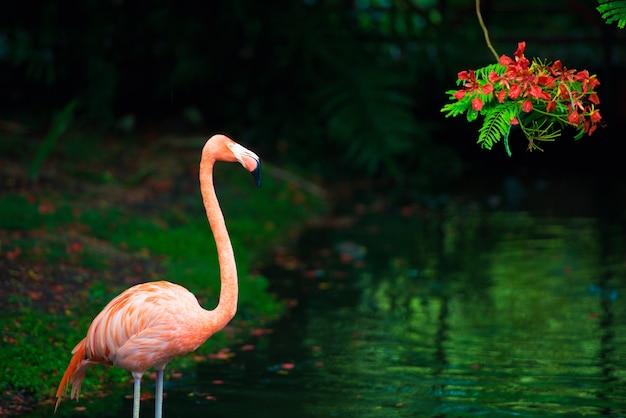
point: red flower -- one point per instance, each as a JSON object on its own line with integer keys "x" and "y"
{"x": 527, "y": 106}
{"x": 592, "y": 124}
{"x": 581, "y": 75}
{"x": 522, "y": 61}
{"x": 545, "y": 80}
{"x": 464, "y": 75}
{"x": 477, "y": 103}
{"x": 504, "y": 60}
{"x": 563, "y": 92}
{"x": 521, "y": 46}
{"x": 472, "y": 85}
{"x": 589, "y": 82}
{"x": 565, "y": 75}
{"x": 575, "y": 118}
{"x": 515, "y": 91}
{"x": 487, "y": 88}
{"x": 590, "y": 129}
{"x": 595, "y": 116}
{"x": 593, "y": 82}
{"x": 538, "y": 93}
{"x": 501, "y": 95}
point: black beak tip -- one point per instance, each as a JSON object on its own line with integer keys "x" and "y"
{"x": 256, "y": 173}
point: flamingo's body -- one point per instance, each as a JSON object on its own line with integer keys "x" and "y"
{"x": 149, "y": 324}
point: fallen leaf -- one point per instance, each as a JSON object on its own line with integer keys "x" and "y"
{"x": 12, "y": 255}
{"x": 46, "y": 207}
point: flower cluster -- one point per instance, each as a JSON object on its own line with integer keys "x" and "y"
{"x": 543, "y": 93}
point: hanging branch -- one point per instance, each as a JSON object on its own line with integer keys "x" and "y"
{"x": 482, "y": 25}
{"x": 538, "y": 96}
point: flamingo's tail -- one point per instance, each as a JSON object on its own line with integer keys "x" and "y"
{"x": 74, "y": 374}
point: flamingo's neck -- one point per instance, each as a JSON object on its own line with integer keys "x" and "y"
{"x": 227, "y": 305}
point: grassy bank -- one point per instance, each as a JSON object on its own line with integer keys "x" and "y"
{"x": 108, "y": 213}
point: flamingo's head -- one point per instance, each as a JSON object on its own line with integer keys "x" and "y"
{"x": 225, "y": 149}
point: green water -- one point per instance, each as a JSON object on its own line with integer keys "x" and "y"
{"x": 529, "y": 322}
{"x": 469, "y": 314}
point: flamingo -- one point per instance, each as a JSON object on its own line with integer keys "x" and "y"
{"x": 149, "y": 324}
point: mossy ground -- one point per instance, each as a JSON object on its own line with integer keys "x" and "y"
{"x": 107, "y": 213}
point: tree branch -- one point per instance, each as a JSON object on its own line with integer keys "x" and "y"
{"x": 482, "y": 25}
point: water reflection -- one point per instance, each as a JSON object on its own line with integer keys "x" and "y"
{"x": 466, "y": 314}
{"x": 515, "y": 316}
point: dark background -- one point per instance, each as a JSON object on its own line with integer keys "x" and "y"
{"x": 342, "y": 89}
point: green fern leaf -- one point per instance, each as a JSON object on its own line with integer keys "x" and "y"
{"x": 497, "y": 124}
{"x": 613, "y": 11}
{"x": 483, "y": 73}
{"x": 372, "y": 107}
{"x": 457, "y": 107}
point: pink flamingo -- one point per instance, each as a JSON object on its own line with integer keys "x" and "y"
{"x": 149, "y": 324}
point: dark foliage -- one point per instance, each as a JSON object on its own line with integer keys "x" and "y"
{"x": 327, "y": 78}
{"x": 330, "y": 84}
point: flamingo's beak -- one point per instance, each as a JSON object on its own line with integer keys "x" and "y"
{"x": 256, "y": 173}
{"x": 249, "y": 160}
